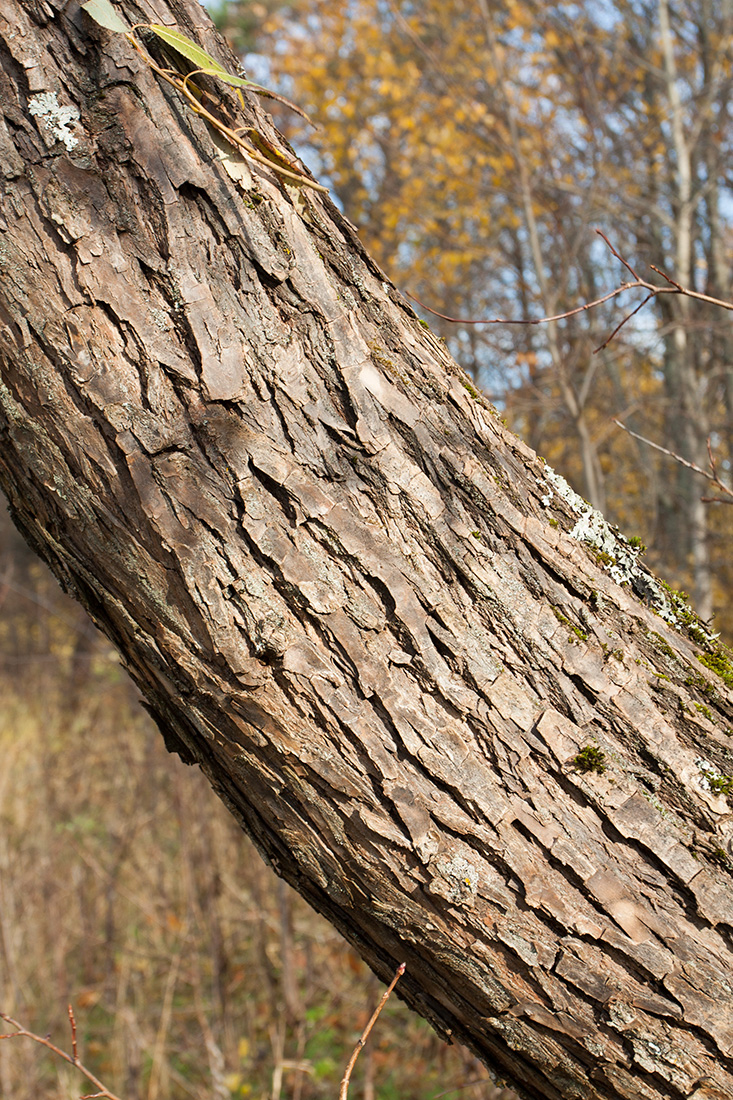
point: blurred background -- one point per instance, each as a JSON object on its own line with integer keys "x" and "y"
{"x": 477, "y": 146}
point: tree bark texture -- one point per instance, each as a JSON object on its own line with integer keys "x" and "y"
{"x": 347, "y": 593}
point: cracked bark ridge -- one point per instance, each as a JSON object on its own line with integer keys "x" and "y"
{"x": 330, "y": 570}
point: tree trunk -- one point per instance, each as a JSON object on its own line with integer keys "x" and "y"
{"x": 364, "y": 608}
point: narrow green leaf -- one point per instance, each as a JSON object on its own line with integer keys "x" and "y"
{"x": 238, "y": 81}
{"x": 103, "y": 13}
{"x": 234, "y": 81}
{"x": 198, "y": 57}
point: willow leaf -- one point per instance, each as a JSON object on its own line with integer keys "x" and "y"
{"x": 103, "y": 13}
{"x": 203, "y": 61}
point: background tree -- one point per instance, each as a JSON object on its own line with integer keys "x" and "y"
{"x": 391, "y": 637}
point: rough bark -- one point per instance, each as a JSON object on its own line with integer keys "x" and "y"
{"x": 359, "y": 604}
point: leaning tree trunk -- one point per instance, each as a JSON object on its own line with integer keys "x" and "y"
{"x": 366, "y": 610}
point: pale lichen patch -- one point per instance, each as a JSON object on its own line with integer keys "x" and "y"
{"x": 619, "y": 557}
{"x": 58, "y": 120}
{"x": 456, "y": 880}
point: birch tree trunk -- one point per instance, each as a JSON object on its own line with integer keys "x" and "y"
{"x": 683, "y": 381}
{"x": 389, "y": 635}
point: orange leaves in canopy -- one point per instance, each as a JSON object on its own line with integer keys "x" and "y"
{"x": 402, "y": 94}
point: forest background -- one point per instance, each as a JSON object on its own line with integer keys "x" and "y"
{"x": 477, "y": 146}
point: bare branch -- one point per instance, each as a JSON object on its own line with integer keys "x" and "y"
{"x": 671, "y": 282}
{"x": 653, "y": 291}
{"x": 343, "y": 1091}
{"x": 526, "y": 321}
{"x": 618, "y": 255}
{"x": 72, "y": 1024}
{"x": 22, "y": 1032}
{"x": 711, "y": 474}
{"x": 621, "y": 324}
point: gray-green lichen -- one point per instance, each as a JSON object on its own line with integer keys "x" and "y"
{"x": 456, "y": 880}
{"x": 56, "y": 118}
{"x": 620, "y": 557}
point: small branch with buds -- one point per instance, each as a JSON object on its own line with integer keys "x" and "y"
{"x": 343, "y": 1091}
{"x": 104, "y": 1093}
{"x": 73, "y": 1058}
{"x": 638, "y": 283}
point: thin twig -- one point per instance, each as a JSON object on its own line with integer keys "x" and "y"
{"x": 618, "y": 255}
{"x": 671, "y": 282}
{"x": 622, "y": 323}
{"x": 711, "y": 474}
{"x": 343, "y": 1091}
{"x": 267, "y": 93}
{"x": 72, "y": 1023}
{"x": 638, "y": 283}
{"x": 23, "y": 1032}
{"x": 664, "y": 450}
{"x": 522, "y": 321}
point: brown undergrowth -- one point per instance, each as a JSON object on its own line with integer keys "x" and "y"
{"x": 128, "y": 891}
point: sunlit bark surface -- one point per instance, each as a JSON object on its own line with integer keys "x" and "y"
{"x": 347, "y": 593}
